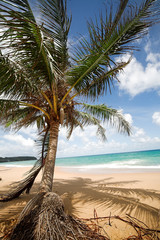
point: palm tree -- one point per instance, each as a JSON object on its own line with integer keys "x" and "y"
{"x": 40, "y": 81}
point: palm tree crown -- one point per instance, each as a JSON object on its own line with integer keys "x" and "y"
{"x": 40, "y": 82}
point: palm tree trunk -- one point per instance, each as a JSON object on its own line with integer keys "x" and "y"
{"x": 47, "y": 178}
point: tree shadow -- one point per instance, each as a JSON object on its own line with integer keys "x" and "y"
{"x": 109, "y": 194}
{"x": 105, "y": 194}
{"x": 12, "y": 208}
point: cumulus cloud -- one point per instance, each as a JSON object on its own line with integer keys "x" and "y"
{"x": 19, "y": 143}
{"x": 127, "y": 116}
{"x": 139, "y": 140}
{"x": 138, "y": 132}
{"x": 139, "y": 136}
{"x": 86, "y": 142}
{"x": 137, "y": 79}
{"x": 19, "y": 139}
{"x": 82, "y": 142}
{"x": 156, "y": 118}
{"x": 90, "y": 147}
{"x": 29, "y": 131}
{"x": 16, "y": 144}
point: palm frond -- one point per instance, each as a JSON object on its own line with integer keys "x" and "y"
{"x": 7, "y": 107}
{"x": 23, "y": 185}
{"x": 95, "y": 55}
{"x": 113, "y": 116}
{"x": 57, "y": 23}
{"x": 86, "y": 119}
{"x": 42, "y": 143}
{"x": 26, "y": 43}
{"x": 26, "y": 184}
{"x": 12, "y": 113}
{"x": 101, "y": 82}
{"x": 12, "y": 77}
{"x": 95, "y": 115}
{"x": 72, "y": 125}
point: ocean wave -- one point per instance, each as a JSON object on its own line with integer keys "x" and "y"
{"x": 13, "y": 165}
{"x": 112, "y": 166}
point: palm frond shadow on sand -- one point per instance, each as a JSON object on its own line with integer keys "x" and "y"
{"x": 109, "y": 194}
{"x": 12, "y": 208}
{"x": 105, "y": 193}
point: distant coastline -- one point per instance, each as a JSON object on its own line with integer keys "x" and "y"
{"x": 16, "y": 159}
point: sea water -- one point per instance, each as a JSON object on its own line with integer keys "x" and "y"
{"x": 129, "y": 161}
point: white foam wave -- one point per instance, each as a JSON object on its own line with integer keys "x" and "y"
{"x": 12, "y": 165}
{"x": 112, "y": 166}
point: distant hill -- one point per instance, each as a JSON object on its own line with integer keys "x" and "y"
{"x": 18, "y": 158}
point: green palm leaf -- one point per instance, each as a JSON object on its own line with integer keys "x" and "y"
{"x": 12, "y": 78}
{"x": 96, "y": 54}
{"x": 26, "y": 42}
{"x": 57, "y": 24}
{"x": 87, "y": 119}
{"x": 113, "y": 116}
{"x": 13, "y": 113}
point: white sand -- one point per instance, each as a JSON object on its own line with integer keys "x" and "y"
{"x": 119, "y": 193}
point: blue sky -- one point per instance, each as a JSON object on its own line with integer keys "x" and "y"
{"x": 137, "y": 96}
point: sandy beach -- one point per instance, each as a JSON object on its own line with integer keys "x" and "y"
{"x": 120, "y": 193}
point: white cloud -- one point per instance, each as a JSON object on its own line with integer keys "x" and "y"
{"x": 147, "y": 47}
{"x": 91, "y": 147}
{"x": 21, "y": 143}
{"x": 17, "y": 145}
{"x": 86, "y": 142}
{"x": 140, "y": 140}
{"x": 81, "y": 143}
{"x": 127, "y": 116}
{"x": 156, "y": 118}
{"x": 137, "y": 79}
{"x": 153, "y": 57}
{"x": 138, "y": 132}
{"x": 140, "y": 137}
{"x": 30, "y": 131}
{"x": 19, "y": 139}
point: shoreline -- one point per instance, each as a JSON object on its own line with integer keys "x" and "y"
{"x": 16, "y": 173}
{"x": 143, "y": 178}
{"x": 106, "y": 170}
{"x": 94, "y": 169}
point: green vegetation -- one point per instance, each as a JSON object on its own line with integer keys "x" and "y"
{"x": 15, "y": 159}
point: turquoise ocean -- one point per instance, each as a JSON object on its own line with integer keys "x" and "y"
{"x": 127, "y": 161}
